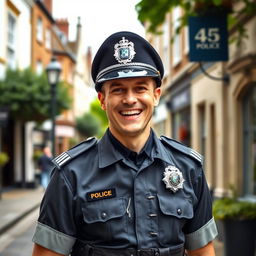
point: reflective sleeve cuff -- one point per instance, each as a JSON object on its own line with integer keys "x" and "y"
{"x": 52, "y": 239}
{"x": 202, "y": 236}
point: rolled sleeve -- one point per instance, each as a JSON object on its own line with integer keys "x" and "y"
{"x": 201, "y": 229}
{"x": 202, "y": 236}
{"x": 53, "y": 239}
{"x": 56, "y": 228}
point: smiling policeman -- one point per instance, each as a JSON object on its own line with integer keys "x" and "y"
{"x": 129, "y": 193}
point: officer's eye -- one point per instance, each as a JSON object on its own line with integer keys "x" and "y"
{"x": 116, "y": 90}
{"x": 141, "y": 88}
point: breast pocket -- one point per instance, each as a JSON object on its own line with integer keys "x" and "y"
{"x": 105, "y": 219}
{"x": 174, "y": 213}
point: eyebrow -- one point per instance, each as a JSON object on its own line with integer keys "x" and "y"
{"x": 117, "y": 83}
{"x": 114, "y": 84}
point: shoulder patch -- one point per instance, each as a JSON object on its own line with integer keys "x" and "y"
{"x": 183, "y": 148}
{"x": 67, "y": 156}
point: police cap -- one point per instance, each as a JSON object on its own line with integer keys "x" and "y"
{"x": 126, "y": 55}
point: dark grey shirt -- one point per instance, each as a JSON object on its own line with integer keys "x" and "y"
{"x": 99, "y": 196}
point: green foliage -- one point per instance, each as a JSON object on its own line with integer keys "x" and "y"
{"x": 154, "y": 12}
{"x": 4, "y": 158}
{"x": 73, "y": 142}
{"x": 94, "y": 122}
{"x": 88, "y": 125}
{"x": 100, "y": 114}
{"x": 232, "y": 208}
{"x": 36, "y": 155}
{"x": 29, "y": 95}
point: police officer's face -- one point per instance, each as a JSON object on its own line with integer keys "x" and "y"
{"x": 129, "y": 104}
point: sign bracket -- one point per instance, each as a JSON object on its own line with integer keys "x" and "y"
{"x": 225, "y": 78}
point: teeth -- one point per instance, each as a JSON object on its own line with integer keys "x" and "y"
{"x": 130, "y": 112}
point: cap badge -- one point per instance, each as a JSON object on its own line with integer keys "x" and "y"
{"x": 124, "y": 51}
{"x": 173, "y": 178}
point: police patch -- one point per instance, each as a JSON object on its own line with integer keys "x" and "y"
{"x": 102, "y": 194}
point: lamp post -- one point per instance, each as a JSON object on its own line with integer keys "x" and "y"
{"x": 53, "y": 71}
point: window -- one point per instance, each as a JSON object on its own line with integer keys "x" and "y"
{"x": 39, "y": 67}
{"x": 181, "y": 126}
{"x": 48, "y": 39}
{"x": 11, "y": 41}
{"x": 176, "y": 47}
{"x": 39, "y": 30}
{"x": 249, "y": 135}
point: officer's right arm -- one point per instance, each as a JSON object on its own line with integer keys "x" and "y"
{"x": 41, "y": 251}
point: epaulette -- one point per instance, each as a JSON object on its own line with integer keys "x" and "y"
{"x": 184, "y": 149}
{"x": 67, "y": 156}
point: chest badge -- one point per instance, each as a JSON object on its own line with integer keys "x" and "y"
{"x": 173, "y": 178}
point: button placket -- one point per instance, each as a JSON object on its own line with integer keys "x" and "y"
{"x": 152, "y": 216}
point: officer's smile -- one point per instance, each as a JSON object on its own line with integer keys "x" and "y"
{"x": 130, "y": 113}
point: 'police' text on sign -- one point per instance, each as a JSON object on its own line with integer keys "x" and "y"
{"x": 208, "y": 38}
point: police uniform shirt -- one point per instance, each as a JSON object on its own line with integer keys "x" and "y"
{"x": 102, "y": 198}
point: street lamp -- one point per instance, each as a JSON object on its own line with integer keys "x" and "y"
{"x": 53, "y": 71}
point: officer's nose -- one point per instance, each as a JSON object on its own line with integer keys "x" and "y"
{"x": 130, "y": 98}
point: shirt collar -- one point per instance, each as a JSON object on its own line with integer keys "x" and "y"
{"x": 116, "y": 151}
{"x": 126, "y": 152}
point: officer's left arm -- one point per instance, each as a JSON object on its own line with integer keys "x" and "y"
{"x": 207, "y": 250}
{"x": 201, "y": 230}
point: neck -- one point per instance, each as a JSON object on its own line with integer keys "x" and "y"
{"x": 133, "y": 142}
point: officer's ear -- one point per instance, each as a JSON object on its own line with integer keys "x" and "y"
{"x": 101, "y": 97}
{"x": 157, "y": 95}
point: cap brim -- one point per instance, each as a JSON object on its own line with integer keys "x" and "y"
{"x": 126, "y": 73}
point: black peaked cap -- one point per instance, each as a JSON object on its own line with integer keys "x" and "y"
{"x": 125, "y": 55}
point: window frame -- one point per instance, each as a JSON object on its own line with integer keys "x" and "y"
{"x": 11, "y": 40}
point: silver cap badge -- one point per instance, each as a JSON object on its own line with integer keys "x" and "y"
{"x": 173, "y": 178}
{"x": 124, "y": 51}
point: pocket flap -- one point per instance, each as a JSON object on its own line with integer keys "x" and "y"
{"x": 180, "y": 208}
{"x": 104, "y": 210}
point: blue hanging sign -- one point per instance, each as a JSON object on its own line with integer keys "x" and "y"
{"x": 208, "y": 38}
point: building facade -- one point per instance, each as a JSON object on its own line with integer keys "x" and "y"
{"x": 30, "y": 37}
{"x": 215, "y": 117}
{"x": 15, "y": 53}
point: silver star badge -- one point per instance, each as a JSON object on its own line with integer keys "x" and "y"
{"x": 124, "y": 51}
{"x": 173, "y": 178}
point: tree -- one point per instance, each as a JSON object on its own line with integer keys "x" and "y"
{"x": 94, "y": 122}
{"x": 88, "y": 125}
{"x": 154, "y": 12}
{"x": 28, "y": 95}
{"x": 97, "y": 111}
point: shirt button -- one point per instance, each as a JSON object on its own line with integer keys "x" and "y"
{"x": 179, "y": 211}
{"x": 152, "y": 215}
{"x": 103, "y": 215}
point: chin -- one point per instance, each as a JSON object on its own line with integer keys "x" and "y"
{"x": 133, "y": 131}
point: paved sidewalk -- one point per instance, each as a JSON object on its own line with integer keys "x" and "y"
{"x": 16, "y": 204}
